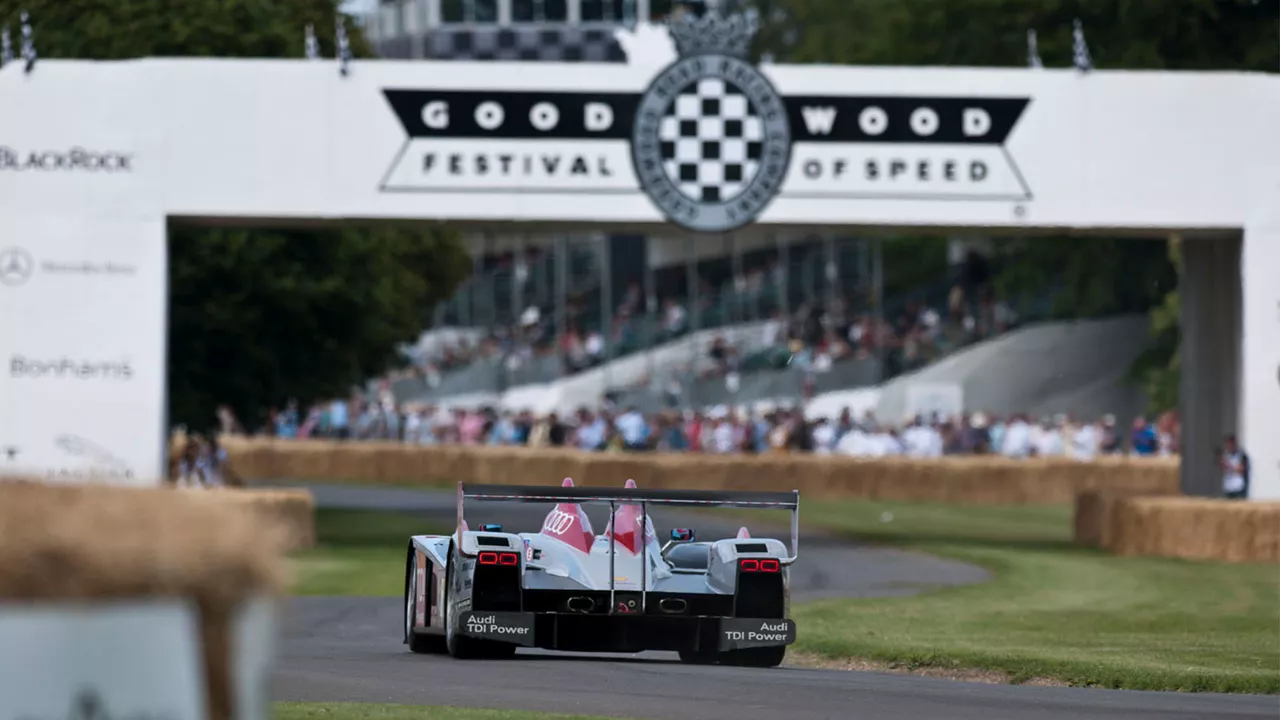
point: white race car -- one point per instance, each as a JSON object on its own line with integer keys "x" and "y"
{"x": 483, "y": 593}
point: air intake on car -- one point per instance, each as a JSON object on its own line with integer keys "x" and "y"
{"x": 752, "y": 547}
{"x": 492, "y": 541}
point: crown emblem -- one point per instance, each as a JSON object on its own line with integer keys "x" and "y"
{"x": 713, "y": 35}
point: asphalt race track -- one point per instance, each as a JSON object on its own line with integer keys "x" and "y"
{"x": 349, "y": 649}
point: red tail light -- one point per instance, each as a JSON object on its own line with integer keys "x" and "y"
{"x": 769, "y": 566}
{"x": 765, "y": 565}
{"x": 493, "y": 558}
{"x": 750, "y": 565}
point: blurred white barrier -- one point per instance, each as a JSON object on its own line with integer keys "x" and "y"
{"x": 102, "y": 660}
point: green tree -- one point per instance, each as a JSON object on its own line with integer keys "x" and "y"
{"x": 1085, "y": 277}
{"x": 1168, "y": 34}
{"x": 95, "y": 30}
{"x": 258, "y": 317}
{"x": 1157, "y": 370}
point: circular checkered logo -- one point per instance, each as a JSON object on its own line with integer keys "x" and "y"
{"x": 711, "y": 143}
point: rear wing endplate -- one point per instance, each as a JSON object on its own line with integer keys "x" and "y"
{"x": 619, "y": 496}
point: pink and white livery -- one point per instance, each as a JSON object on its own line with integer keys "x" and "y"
{"x": 486, "y": 592}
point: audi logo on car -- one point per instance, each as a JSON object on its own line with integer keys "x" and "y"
{"x": 558, "y": 522}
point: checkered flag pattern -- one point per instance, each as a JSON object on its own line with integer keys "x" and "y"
{"x": 712, "y": 141}
{"x": 546, "y": 42}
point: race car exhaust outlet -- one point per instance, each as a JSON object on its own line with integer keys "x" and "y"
{"x": 673, "y": 605}
{"x": 581, "y": 604}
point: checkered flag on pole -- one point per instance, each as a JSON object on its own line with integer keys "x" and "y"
{"x": 343, "y": 47}
{"x": 313, "y": 45}
{"x": 28, "y": 43}
{"x": 1080, "y": 51}
{"x": 6, "y": 47}
{"x": 1033, "y": 51}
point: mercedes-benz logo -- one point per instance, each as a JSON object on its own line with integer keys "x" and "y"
{"x": 16, "y": 266}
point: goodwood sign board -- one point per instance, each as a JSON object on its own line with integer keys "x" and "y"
{"x": 711, "y": 142}
{"x": 688, "y": 133}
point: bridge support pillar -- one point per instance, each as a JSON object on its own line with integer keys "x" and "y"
{"x": 1210, "y": 357}
{"x": 1260, "y": 343}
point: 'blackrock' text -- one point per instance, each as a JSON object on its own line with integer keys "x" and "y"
{"x": 75, "y": 159}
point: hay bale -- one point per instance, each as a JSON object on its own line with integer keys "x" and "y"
{"x": 1094, "y": 515}
{"x": 1087, "y": 519}
{"x": 1195, "y": 528}
{"x": 984, "y": 479}
{"x": 110, "y": 543}
{"x": 289, "y": 514}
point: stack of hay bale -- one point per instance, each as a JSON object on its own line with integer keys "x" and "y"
{"x": 87, "y": 554}
{"x": 1131, "y": 523}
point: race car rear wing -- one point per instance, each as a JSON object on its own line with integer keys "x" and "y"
{"x": 618, "y": 496}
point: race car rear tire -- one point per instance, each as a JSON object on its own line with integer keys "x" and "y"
{"x": 498, "y": 650}
{"x": 418, "y": 642}
{"x": 698, "y": 657}
{"x": 462, "y": 647}
{"x": 766, "y": 600}
{"x": 763, "y": 657}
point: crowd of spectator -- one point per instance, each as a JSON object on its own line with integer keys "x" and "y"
{"x": 811, "y": 338}
{"x": 725, "y": 430}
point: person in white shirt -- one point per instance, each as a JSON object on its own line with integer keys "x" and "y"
{"x": 723, "y": 437}
{"x": 934, "y": 443}
{"x": 673, "y": 318}
{"x": 1166, "y": 439}
{"x": 888, "y": 444}
{"x": 741, "y": 430}
{"x": 872, "y": 441}
{"x": 633, "y": 429}
{"x": 772, "y": 333}
{"x": 1085, "y": 442}
{"x": 855, "y": 443}
{"x": 595, "y": 346}
{"x": 339, "y": 420}
{"x": 824, "y": 437}
{"x": 1034, "y": 431}
{"x": 412, "y": 425}
{"x": 920, "y": 440}
{"x": 1047, "y": 439}
{"x": 911, "y": 439}
{"x": 1235, "y": 469}
{"x": 1017, "y": 438}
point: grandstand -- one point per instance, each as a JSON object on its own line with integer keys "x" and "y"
{"x": 668, "y": 322}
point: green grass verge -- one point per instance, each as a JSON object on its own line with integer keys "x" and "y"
{"x": 376, "y": 711}
{"x": 358, "y": 552}
{"x": 1053, "y": 610}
